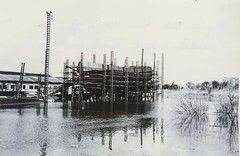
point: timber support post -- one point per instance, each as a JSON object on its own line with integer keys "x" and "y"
{"x": 94, "y": 58}
{"x": 126, "y": 84}
{"x": 111, "y": 81}
{"x": 73, "y": 79}
{"x": 145, "y": 82}
{"x": 154, "y": 78}
{"x": 162, "y": 79}
{"x": 137, "y": 82}
{"x": 142, "y": 59}
{"x": 80, "y": 70}
{"x": 63, "y": 85}
{"x": 157, "y": 75}
{"x": 104, "y": 78}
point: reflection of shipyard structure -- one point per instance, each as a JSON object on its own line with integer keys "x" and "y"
{"x": 95, "y": 82}
{"x": 139, "y": 129}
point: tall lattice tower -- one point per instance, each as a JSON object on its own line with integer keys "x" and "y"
{"x": 47, "y": 55}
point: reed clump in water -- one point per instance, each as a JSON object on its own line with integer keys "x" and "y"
{"x": 191, "y": 117}
{"x": 227, "y": 118}
{"x": 228, "y": 104}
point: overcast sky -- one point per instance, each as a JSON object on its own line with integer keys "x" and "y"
{"x": 200, "y": 38}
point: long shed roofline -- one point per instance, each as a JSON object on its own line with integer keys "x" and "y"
{"x": 18, "y": 73}
{"x": 13, "y": 77}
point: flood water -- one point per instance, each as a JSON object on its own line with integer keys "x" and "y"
{"x": 143, "y": 129}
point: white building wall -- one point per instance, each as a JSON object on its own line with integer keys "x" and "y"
{"x": 29, "y": 88}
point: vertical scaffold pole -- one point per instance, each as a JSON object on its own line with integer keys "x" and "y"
{"x": 111, "y": 78}
{"x": 137, "y": 82}
{"x": 154, "y": 78}
{"x": 73, "y": 80}
{"x": 67, "y": 75}
{"x": 64, "y": 79}
{"x": 94, "y": 58}
{"x": 47, "y": 55}
{"x": 145, "y": 82}
{"x": 126, "y": 83}
{"x": 157, "y": 78}
{"x": 39, "y": 86}
{"x": 142, "y": 59}
{"x": 115, "y": 62}
{"x": 80, "y": 96}
{"x": 79, "y": 82}
{"x": 104, "y": 78}
{"x": 162, "y": 79}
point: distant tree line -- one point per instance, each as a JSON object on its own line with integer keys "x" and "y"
{"x": 171, "y": 86}
{"x": 227, "y": 83}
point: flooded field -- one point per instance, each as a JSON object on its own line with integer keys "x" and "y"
{"x": 160, "y": 128}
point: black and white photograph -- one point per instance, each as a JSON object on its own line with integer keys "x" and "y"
{"x": 119, "y": 77}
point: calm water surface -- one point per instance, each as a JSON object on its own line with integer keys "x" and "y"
{"x": 149, "y": 129}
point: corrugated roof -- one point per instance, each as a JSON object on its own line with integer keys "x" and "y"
{"x": 28, "y": 79}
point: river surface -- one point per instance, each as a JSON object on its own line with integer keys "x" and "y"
{"x": 143, "y": 129}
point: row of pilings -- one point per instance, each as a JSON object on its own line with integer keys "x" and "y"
{"x": 102, "y": 82}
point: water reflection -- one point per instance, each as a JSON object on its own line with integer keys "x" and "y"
{"x": 97, "y": 121}
{"x": 153, "y": 130}
{"x": 110, "y": 140}
{"x": 105, "y": 108}
{"x": 65, "y": 110}
{"x": 125, "y": 134}
{"x": 20, "y": 110}
{"x": 38, "y": 109}
{"x": 43, "y": 138}
{"x": 228, "y": 125}
{"x": 162, "y": 121}
{"x": 43, "y": 150}
{"x": 69, "y": 129}
{"x": 162, "y": 130}
{"x": 103, "y": 136}
{"x": 141, "y": 137}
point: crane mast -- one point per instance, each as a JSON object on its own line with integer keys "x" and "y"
{"x": 47, "y": 55}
